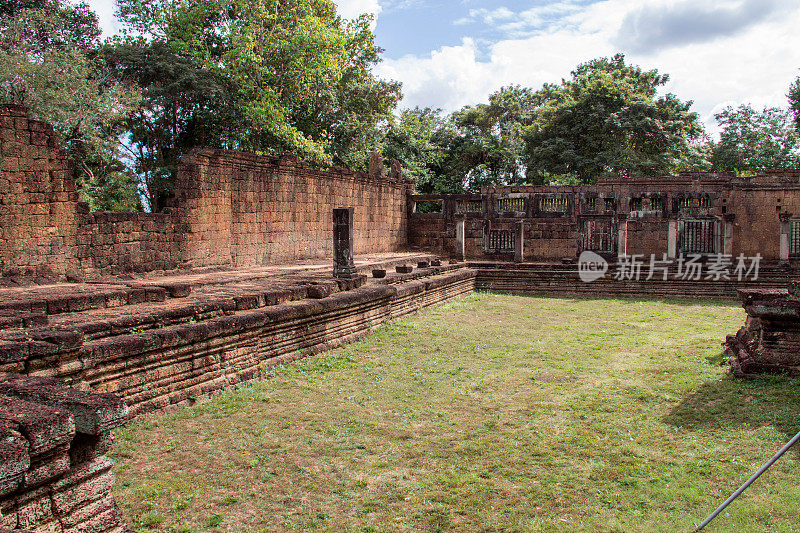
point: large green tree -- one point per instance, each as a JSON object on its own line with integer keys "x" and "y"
{"x": 425, "y": 141}
{"x": 49, "y": 62}
{"x": 491, "y": 147}
{"x": 609, "y": 119}
{"x": 183, "y": 105}
{"x": 755, "y": 140}
{"x": 269, "y": 76}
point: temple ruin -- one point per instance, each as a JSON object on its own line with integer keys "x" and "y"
{"x": 262, "y": 260}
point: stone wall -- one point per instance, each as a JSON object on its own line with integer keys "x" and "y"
{"x": 644, "y": 216}
{"x": 38, "y": 226}
{"x": 159, "y": 345}
{"x": 769, "y": 342}
{"x": 245, "y": 210}
{"x": 230, "y": 209}
{"x": 563, "y": 281}
{"x": 54, "y": 476}
{"x": 127, "y": 242}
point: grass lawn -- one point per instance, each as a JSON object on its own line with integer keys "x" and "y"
{"x": 494, "y": 413}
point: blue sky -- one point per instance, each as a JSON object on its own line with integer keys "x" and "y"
{"x": 454, "y": 53}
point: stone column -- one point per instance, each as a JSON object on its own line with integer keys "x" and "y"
{"x": 727, "y": 242}
{"x": 672, "y": 240}
{"x": 376, "y": 170}
{"x": 786, "y": 228}
{"x": 461, "y": 234}
{"x": 519, "y": 242}
{"x": 622, "y": 240}
{"x": 343, "y": 265}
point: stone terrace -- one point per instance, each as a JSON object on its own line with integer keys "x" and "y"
{"x": 160, "y": 340}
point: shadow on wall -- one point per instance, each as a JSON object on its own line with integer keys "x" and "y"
{"x": 729, "y": 402}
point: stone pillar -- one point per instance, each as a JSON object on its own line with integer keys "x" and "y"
{"x": 622, "y": 240}
{"x": 343, "y": 265}
{"x": 396, "y": 171}
{"x": 376, "y": 170}
{"x": 461, "y": 234}
{"x": 672, "y": 240}
{"x": 786, "y": 228}
{"x": 727, "y": 242}
{"x": 519, "y": 242}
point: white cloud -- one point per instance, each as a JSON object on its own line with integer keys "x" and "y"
{"x": 105, "y": 10}
{"x": 755, "y": 66}
{"x": 351, "y": 9}
{"x": 447, "y": 78}
{"x": 491, "y": 16}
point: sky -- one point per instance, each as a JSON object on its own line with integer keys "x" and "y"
{"x": 452, "y": 53}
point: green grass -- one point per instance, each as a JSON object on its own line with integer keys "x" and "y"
{"x": 495, "y": 413}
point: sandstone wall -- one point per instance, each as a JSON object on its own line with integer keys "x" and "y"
{"x": 769, "y": 342}
{"x": 230, "y": 209}
{"x": 54, "y": 476}
{"x": 246, "y": 210}
{"x": 127, "y": 242}
{"x": 156, "y": 351}
{"x": 748, "y": 213}
{"x": 38, "y": 227}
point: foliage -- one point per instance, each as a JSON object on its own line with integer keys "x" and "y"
{"x": 183, "y": 105}
{"x": 490, "y": 150}
{"x": 49, "y": 63}
{"x": 268, "y": 76}
{"x": 752, "y": 140}
{"x": 422, "y": 140}
{"x": 608, "y": 119}
{"x": 794, "y": 102}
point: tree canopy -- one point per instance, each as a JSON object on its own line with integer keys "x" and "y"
{"x": 49, "y": 62}
{"x": 290, "y": 76}
{"x": 756, "y": 140}
{"x": 608, "y": 119}
{"x": 267, "y": 76}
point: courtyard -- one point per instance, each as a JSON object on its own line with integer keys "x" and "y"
{"x": 491, "y": 413}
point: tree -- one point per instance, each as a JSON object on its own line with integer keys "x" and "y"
{"x": 268, "y": 76}
{"x": 183, "y": 105}
{"x": 608, "y": 119}
{"x": 751, "y": 141}
{"x": 794, "y": 102}
{"x": 423, "y": 141}
{"x": 49, "y": 63}
{"x": 492, "y": 144}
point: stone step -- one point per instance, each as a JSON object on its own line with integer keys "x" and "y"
{"x": 205, "y": 303}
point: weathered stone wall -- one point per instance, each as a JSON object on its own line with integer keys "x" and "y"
{"x": 245, "y": 210}
{"x": 642, "y": 215}
{"x": 54, "y": 475}
{"x": 38, "y": 227}
{"x": 127, "y": 242}
{"x": 769, "y": 342}
{"x": 230, "y": 209}
{"x": 557, "y": 280}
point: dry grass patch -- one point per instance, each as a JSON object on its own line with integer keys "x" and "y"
{"x": 495, "y": 413}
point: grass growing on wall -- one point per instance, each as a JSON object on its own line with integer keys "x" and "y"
{"x": 495, "y": 413}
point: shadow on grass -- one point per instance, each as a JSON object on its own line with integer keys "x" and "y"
{"x": 730, "y": 403}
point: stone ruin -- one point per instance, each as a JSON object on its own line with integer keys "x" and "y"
{"x": 54, "y": 476}
{"x": 769, "y": 342}
{"x": 235, "y": 276}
